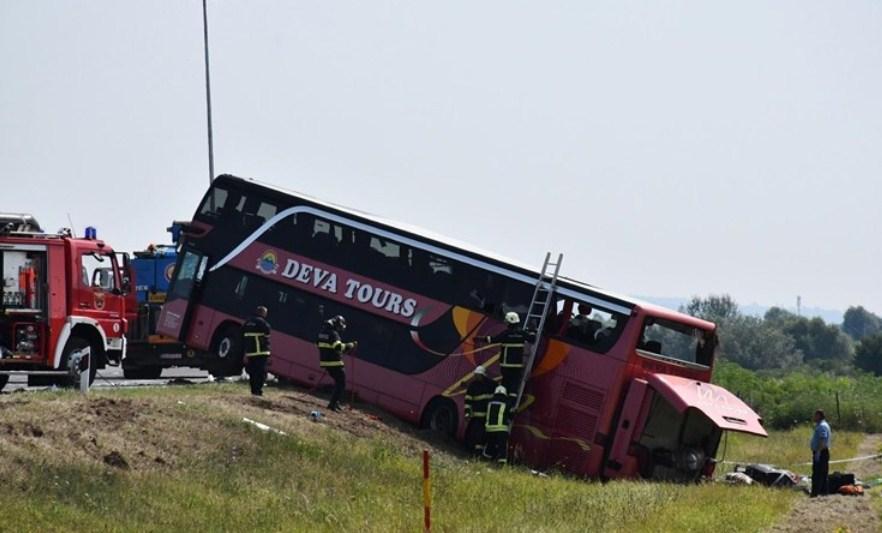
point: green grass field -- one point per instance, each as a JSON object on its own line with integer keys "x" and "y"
{"x": 194, "y": 465}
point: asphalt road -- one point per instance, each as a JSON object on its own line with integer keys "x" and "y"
{"x": 112, "y": 377}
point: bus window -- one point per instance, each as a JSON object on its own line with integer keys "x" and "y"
{"x": 386, "y": 248}
{"x": 266, "y": 211}
{"x": 677, "y": 341}
{"x": 583, "y": 324}
{"x": 214, "y": 202}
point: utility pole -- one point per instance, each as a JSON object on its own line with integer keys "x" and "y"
{"x": 799, "y": 306}
{"x": 208, "y": 94}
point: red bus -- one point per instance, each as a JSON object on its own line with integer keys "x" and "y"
{"x": 621, "y": 390}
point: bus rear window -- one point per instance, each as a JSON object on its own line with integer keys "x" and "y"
{"x": 677, "y": 341}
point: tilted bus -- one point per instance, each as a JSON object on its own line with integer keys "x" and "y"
{"x": 626, "y": 396}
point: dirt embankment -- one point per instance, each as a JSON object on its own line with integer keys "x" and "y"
{"x": 166, "y": 431}
{"x": 837, "y": 512}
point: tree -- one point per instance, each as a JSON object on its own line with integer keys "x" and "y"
{"x": 816, "y": 339}
{"x": 868, "y": 355}
{"x": 756, "y": 344}
{"x": 717, "y": 309}
{"x": 860, "y": 323}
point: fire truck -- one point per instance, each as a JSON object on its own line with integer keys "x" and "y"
{"x": 63, "y": 306}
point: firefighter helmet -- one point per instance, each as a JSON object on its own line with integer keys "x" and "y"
{"x": 500, "y": 390}
{"x": 480, "y": 370}
{"x": 512, "y": 318}
{"x": 339, "y": 323}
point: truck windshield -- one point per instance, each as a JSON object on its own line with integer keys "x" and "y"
{"x": 674, "y": 340}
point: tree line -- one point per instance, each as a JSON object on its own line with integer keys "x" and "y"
{"x": 784, "y": 340}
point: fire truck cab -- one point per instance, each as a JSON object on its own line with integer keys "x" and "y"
{"x": 60, "y": 296}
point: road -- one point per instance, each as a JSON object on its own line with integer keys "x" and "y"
{"x": 112, "y": 377}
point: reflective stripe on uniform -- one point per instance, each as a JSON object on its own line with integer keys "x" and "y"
{"x": 325, "y": 364}
{"x": 331, "y": 346}
{"x": 512, "y": 365}
{"x": 257, "y": 351}
{"x": 495, "y": 417}
{"x": 479, "y": 397}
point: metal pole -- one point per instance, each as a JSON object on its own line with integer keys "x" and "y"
{"x": 208, "y": 94}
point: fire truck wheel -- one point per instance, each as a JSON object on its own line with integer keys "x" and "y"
{"x": 227, "y": 351}
{"x": 440, "y": 417}
{"x": 74, "y": 345}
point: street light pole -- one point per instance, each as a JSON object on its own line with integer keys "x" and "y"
{"x": 208, "y": 94}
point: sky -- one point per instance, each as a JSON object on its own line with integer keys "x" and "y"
{"x": 667, "y": 149}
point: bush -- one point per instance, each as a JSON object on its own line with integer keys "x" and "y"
{"x": 785, "y": 401}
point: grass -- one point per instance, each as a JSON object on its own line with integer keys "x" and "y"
{"x": 787, "y": 449}
{"x": 228, "y": 476}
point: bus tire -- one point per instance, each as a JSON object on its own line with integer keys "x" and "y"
{"x": 4, "y": 379}
{"x": 226, "y": 350}
{"x": 440, "y": 417}
{"x": 74, "y": 374}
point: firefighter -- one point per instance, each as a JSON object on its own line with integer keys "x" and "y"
{"x": 478, "y": 393}
{"x": 512, "y": 342}
{"x": 496, "y": 427}
{"x": 256, "y": 341}
{"x": 331, "y": 348}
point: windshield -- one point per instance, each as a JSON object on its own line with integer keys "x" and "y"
{"x": 677, "y": 341}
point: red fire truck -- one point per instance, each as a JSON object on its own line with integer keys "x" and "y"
{"x": 63, "y": 301}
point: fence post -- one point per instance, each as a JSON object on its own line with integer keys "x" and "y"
{"x": 427, "y": 494}
{"x": 84, "y": 374}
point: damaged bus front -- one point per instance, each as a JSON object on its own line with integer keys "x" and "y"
{"x": 670, "y": 426}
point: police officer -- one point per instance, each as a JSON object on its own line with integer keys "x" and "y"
{"x": 496, "y": 427}
{"x": 512, "y": 342}
{"x": 478, "y": 393}
{"x": 331, "y": 348}
{"x": 256, "y": 341}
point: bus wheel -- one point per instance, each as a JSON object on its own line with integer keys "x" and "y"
{"x": 75, "y": 365}
{"x": 4, "y": 379}
{"x": 440, "y": 417}
{"x": 227, "y": 351}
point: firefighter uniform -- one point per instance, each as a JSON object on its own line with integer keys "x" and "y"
{"x": 512, "y": 344}
{"x": 496, "y": 426}
{"x": 477, "y": 395}
{"x": 256, "y": 343}
{"x": 331, "y": 349}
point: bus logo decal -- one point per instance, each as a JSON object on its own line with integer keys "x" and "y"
{"x": 268, "y": 263}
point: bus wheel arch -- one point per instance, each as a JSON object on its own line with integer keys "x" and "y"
{"x": 226, "y": 350}
{"x": 440, "y": 416}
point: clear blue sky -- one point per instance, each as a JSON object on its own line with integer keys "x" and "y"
{"x": 668, "y": 149}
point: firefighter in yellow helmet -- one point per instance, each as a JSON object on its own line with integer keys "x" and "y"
{"x": 496, "y": 427}
{"x": 512, "y": 344}
{"x": 478, "y": 393}
{"x": 256, "y": 341}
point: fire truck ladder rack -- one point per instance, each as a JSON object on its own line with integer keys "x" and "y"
{"x": 538, "y": 313}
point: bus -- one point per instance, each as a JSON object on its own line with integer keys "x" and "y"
{"x": 618, "y": 388}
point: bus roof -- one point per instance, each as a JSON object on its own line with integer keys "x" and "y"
{"x": 567, "y": 286}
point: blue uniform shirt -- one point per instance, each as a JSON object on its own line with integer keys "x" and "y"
{"x": 822, "y": 432}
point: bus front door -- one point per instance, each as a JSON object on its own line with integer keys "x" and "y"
{"x": 183, "y": 294}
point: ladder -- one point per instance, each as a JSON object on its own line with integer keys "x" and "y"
{"x": 538, "y": 313}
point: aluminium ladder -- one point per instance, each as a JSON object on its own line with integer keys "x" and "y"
{"x": 537, "y": 313}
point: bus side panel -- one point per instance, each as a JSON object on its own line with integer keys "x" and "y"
{"x": 585, "y": 397}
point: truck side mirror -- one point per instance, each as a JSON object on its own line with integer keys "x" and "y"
{"x": 127, "y": 274}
